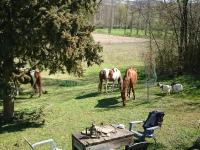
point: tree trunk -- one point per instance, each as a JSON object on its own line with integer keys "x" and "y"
{"x": 8, "y": 101}
{"x": 126, "y": 18}
{"x": 131, "y": 26}
{"x": 111, "y": 17}
{"x": 183, "y": 32}
{"x": 8, "y": 108}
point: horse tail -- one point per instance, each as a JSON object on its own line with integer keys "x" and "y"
{"x": 100, "y": 83}
{"x": 38, "y": 81}
{"x": 102, "y": 75}
{"x": 126, "y": 73}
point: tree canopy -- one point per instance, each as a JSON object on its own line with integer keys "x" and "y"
{"x": 55, "y": 34}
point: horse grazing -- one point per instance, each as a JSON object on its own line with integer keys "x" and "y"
{"x": 128, "y": 84}
{"x": 109, "y": 75}
{"x": 31, "y": 76}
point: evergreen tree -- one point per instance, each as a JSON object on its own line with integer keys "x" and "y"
{"x": 55, "y": 34}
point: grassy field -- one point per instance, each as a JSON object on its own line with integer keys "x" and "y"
{"x": 120, "y": 32}
{"x": 72, "y": 103}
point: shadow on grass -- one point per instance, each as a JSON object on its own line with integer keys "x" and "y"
{"x": 22, "y": 120}
{"x": 88, "y": 95}
{"x": 108, "y": 103}
{"x": 1, "y": 102}
{"x": 144, "y": 102}
{"x": 147, "y": 146}
{"x": 196, "y": 145}
{"x": 160, "y": 94}
{"x": 63, "y": 83}
{"x": 153, "y": 146}
{"x": 23, "y": 96}
{"x": 191, "y": 106}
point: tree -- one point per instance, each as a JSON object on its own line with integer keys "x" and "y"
{"x": 111, "y": 17}
{"x": 180, "y": 52}
{"x": 54, "y": 34}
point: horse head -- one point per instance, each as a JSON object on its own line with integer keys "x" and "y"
{"x": 120, "y": 82}
{"x": 123, "y": 90}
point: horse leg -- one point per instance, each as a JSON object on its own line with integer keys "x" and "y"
{"x": 113, "y": 85}
{"x": 39, "y": 85}
{"x": 34, "y": 90}
{"x": 38, "y": 89}
{"x": 133, "y": 90}
{"x": 106, "y": 86}
{"x": 125, "y": 99}
{"x": 129, "y": 92}
{"x": 100, "y": 86}
{"x": 17, "y": 87}
{"x": 124, "y": 103}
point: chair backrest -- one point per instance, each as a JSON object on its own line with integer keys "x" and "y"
{"x": 155, "y": 118}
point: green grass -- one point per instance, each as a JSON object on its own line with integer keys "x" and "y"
{"x": 120, "y": 32}
{"x": 71, "y": 104}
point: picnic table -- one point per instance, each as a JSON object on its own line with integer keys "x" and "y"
{"x": 114, "y": 139}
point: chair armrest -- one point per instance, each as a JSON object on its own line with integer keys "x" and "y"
{"x": 136, "y": 122}
{"x": 49, "y": 141}
{"x": 153, "y": 128}
{"x": 133, "y": 123}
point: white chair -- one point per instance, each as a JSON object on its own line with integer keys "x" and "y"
{"x": 49, "y": 142}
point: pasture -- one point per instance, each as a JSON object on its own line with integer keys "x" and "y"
{"x": 72, "y": 103}
{"x": 120, "y": 31}
{"x": 135, "y": 33}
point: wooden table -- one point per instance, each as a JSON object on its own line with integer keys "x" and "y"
{"x": 115, "y": 140}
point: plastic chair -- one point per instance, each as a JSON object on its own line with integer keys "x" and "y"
{"x": 153, "y": 122}
{"x": 49, "y": 142}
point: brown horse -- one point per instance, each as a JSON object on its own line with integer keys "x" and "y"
{"x": 128, "y": 84}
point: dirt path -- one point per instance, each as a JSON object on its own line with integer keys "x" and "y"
{"x": 109, "y": 39}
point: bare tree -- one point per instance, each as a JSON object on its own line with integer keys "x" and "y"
{"x": 111, "y": 17}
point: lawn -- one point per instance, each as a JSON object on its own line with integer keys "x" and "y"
{"x": 120, "y": 32}
{"x": 72, "y": 103}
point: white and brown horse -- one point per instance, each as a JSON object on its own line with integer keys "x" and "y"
{"x": 106, "y": 75}
{"x": 30, "y": 76}
{"x": 128, "y": 84}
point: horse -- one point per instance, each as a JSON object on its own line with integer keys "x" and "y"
{"x": 29, "y": 76}
{"x": 128, "y": 84}
{"x": 109, "y": 75}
